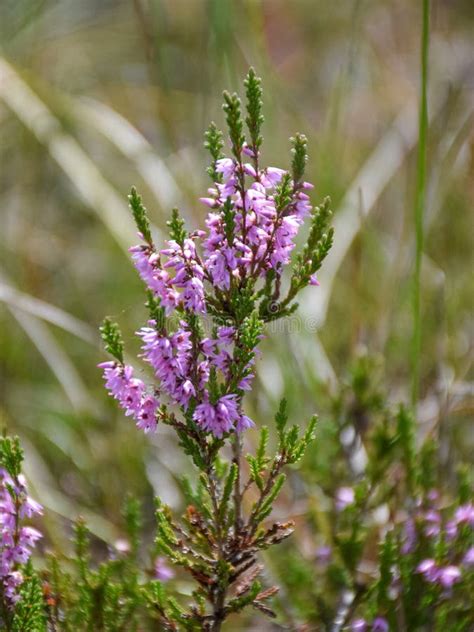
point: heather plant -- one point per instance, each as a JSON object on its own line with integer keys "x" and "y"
{"x": 210, "y": 294}
{"x": 387, "y": 541}
{"x": 389, "y": 536}
{"x": 20, "y": 590}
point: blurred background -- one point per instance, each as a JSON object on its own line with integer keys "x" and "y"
{"x": 98, "y": 95}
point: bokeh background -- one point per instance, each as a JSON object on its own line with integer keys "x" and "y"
{"x": 98, "y": 95}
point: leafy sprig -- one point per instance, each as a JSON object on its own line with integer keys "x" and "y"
{"x": 112, "y": 338}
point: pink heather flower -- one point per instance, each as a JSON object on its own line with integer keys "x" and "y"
{"x": 146, "y": 416}
{"x": 244, "y": 423}
{"x": 227, "y": 167}
{"x": 303, "y": 205}
{"x": 249, "y": 170}
{"x": 193, "y": 296}
{"x": 433, "y": 495}
{"x": 122, "y": 545}
{"x": 141, "y": 258}
{"x": 245, "y": 383}
{"x": 131, "y": 394}
{"x": 11, "y": 584}
{"x": 465, "y": 514}
{"x": 271, "y": 176}
{"x": 225, "y": 335}
{"x": 218, "y": 268}
{"x": 433, "y": 520}
{"x": 221, "y": 417}
{"x": 163, "y": 572}
{"x": 261, "y": 238}
{"x": 429, "y": 570}
{"x": 451, "y": 529}
{"x": 29, "y": 536}
{"x": 323, "y": 554}
{"x": 380, "y": 624}
{"x": 283, "y": 240}
{"x": 171, "y": 360}
{"x": 247, "y": 150}
{"x": 409, "y": 536}
{"x": 208, "y": 201}
{"x": 468, "y": 559}
{"x": 225, "y": 190}
{"x": 205, "y": 415}
{"x": 16, "y": 540}
{"x": 30, "y": 508}
{"x": 157, "y": 279}
{"x": 227, "y": 409}
{"x": 345, "y": 497}
{"x": 448, "y": 576}
{"x": 359, "y": 625}
{"x": 188, "y": 274}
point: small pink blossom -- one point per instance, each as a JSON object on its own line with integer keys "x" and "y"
{"x": 468, "y": 559}
{"x": 345, "y": 496}
{"x": 448, "y": 576}
{"x": 163, "y": 572}
{"x": 428, "y": 569}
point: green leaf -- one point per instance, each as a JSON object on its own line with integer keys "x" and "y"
{"x": 164, "y": 525}
{"x": 112, "y": 338}
{"x": 214, "y": 144}
{"x": 157, "y": 313}
{"x": 291, "y": 437}
{"x": 81, "y": 545}
{"x": 176, "y": 227}
{"x": 300, "y": 156}
{"x": 281, "y": 418}
{"x": 406, "y": 438}
{"x": 11, "y": 455}
{"x": 283, "y": 193}
{"x": 267, "y": 506}
{"x": 140, "y": 216}
{"x": 30, "y": 613}
{"x": 233, "y": 114}
{"x": 387, "y": 560}
{"x": 301, "y": 446}
{"x": 255, "y": 117}
{"x": 239, "y": 603}
{"x": 228, "y": 487}
{"x": 262, "y": 459}
{"x": 133, "y": 523}
{"x": 228, "y": 213}
{"x": 255, "y": 471}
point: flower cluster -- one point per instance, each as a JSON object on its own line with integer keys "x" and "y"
{"x": 433, "y": 539}
{"x": 209, "y": 294}
{"x": 379, "y": 624}
{"x": 263, "y": 224}
{"x": 225, "y": 277}
{"x": 131, "y": 393}
{"x": 447, "y": 571}
{"x": 16, "y": 540}
{"x": 345, "y": 497}
{"x": 162, "y": 571}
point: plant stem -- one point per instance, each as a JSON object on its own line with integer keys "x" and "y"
{"x": 237, "y": 451}
{"x": 220, "y": 595}
{"x": 6, "y": 616}
{"x": 420, "y": 205}
{"x": 219, "y": 610}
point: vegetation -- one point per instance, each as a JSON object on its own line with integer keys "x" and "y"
{"x": 96, "y": 96}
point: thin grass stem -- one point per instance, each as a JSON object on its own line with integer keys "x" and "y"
{"x": 420, "y": 205}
